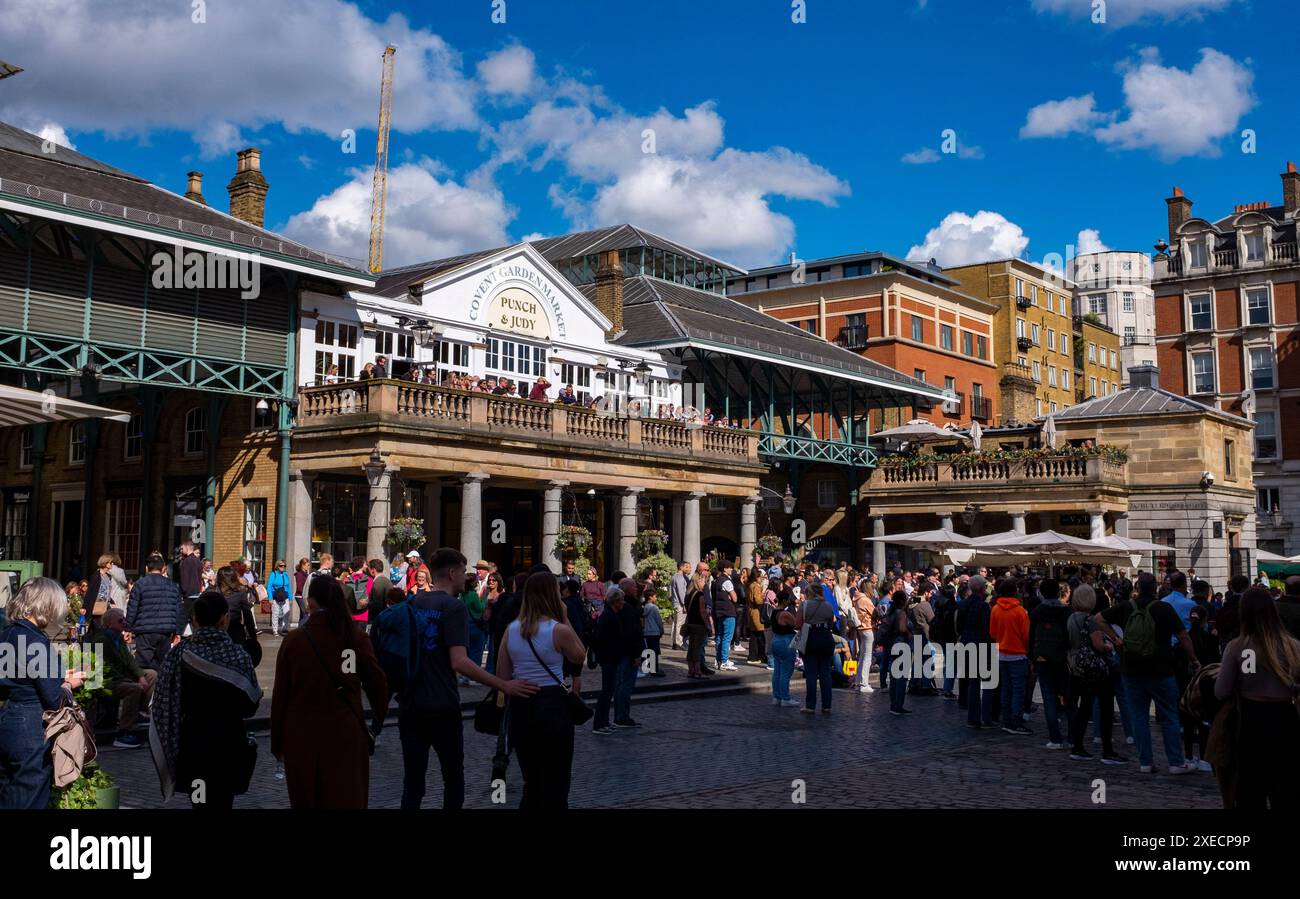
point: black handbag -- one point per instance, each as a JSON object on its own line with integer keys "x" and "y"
{"x": 247, "y": 764}
{"x": 489, "y": 713}
{"x": 579, "y": 712}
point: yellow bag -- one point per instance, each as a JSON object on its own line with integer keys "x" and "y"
{"x": 850, "y": 667}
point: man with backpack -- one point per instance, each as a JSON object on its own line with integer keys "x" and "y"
{"x": 279, "y": 589}
{"x": 421, "y": 647}
{"x": 1049, "y": 647}
{"x": 1150, "y": 629}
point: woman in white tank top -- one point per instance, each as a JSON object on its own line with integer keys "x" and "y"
{"x": 534, "y": 648}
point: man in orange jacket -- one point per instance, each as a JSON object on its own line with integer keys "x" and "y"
{"x": 1009, "y": 627}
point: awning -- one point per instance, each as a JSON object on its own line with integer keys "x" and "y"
{"x": 937, "y": 541}
{"x": 918, "y": 430}
{"x": 27, "y": 407}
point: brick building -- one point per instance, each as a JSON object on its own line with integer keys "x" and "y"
{"x": 1228, "y": 331}
{"x": 1034, "y": 335}
{"x": 909, "y": 316}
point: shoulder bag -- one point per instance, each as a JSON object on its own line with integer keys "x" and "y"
{"x": 579, "y": 713}
{"x": 341, "y": 691}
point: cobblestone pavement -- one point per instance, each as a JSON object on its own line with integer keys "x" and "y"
{"x": 739, "y": 751}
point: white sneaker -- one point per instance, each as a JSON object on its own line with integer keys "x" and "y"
{"x": 1203, "y": 765}
{"x": 866, "y": 688}
{"x": 790, "y": 704}
{"x": 775, "y": 701}
{"x": 1055, "y": 746}
{"x": 727, "y": 666}
{"x": 1184, "y": 768}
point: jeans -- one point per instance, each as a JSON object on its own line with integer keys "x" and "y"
{"x": 817, "y": 670}
{"x": 444, "y": 732}
{"x": 1163, "y": 691}
{"x": 866, "y": 649}
{"x": 1051, "y": 679}
{"x": 25, "y": 776}
{"x": 280, "y": 616}
{"x": 608, "y": 681}
{"x": 1014, "y": 673}
{"x": 783, "y": 665}
{"x": 475, "y": 640}
{"x": 626, "y": 680}
{"x": 897, "y": 693}
{"x": 724, "y": 631}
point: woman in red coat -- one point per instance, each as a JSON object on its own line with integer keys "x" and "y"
{"x": 318, "y": 730}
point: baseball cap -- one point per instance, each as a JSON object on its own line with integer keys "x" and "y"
{"x": 413, "y": 555}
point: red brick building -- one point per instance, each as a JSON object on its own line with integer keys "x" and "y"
{"x": 1227, "y": 309}
{"x": 909, "y": 316}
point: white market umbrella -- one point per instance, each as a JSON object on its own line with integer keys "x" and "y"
{"x": 918, "y": 430}
{"x": 996, "y": 557}
{"x": 1263, "y": 555}
{"x": 1128, "y": 544}
{"x": 1049, "y": 432}
{"x": 938, "y": 541}
{"x": 27, "y": 407}
{"x": 976, "y": 436}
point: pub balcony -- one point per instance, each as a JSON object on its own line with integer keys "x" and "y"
{"x": 385, "y": 405}
{"x": 980, "y": 475}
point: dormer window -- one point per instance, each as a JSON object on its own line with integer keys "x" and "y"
{"x": 1196, "y": 252}
{"x": 1254, "y": 247}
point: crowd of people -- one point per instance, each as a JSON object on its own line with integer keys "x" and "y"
{"x": 181, "y": 649}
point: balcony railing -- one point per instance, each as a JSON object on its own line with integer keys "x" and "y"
{"x": 953, "y": 407}
{"x": 1283, "y": 252}
{"x": 1225, "y": 258}
{"x": 852, "y": 337}
{"x": 981, "y": 407}
{"x": 999, "y": 472}
{"x": 1024, "y": 344}
{"x": 389, "y": 403}
{"x": 1024, "y": 302}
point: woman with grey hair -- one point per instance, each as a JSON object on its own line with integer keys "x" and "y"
{"x": 39, "y": 684}
{"x": 1090, "y": 677}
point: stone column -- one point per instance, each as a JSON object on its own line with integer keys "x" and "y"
{"x": 748, "y": 529}
{"x": 298, "y": 542}
{"x": 552, "y": 507}
{"x": 627, "y": 501}
{"x": 691, "y": 527}
{"x": 1121, "y": 524}
{"x": 1097, "y": 525}
{"x": 380, "y": 513}
{"x": 676, "y": 537}
{"x": 432, "y": 517}
{"x": 945, "y": 521}
{"x": 471, "y": 516}
{"x": 1018, "y": 522}
{"x": 878, "y": 546}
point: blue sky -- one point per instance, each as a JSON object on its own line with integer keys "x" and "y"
{"x": 821, "y": 137}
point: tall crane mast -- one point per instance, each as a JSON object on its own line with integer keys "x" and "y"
{"x": 380, "y": 188}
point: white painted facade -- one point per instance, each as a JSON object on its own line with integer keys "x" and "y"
{"x": 1116, "y": 286}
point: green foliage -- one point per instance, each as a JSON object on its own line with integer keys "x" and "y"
{"x": 81, "y": 793}
{"x": 91, "y": 661}
{"x": 660, "y": 562}
{"x": 768, "y": 545}
{"x": 405, "y": 534}
{"x": 998, "y": 454}
{"x": 649, "y": 543}
{"x": 573, "y": 540}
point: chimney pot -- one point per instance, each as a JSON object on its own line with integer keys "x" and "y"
{"x": 1179, "y": 211}
{"x": 194, "y": 191}
{"x": 1178, "y": 191}
{"x": 248, "y": 188}
{"x": 1291, "y": 191}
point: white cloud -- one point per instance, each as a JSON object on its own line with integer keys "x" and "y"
{"x": 1089, "y": 241}
{"x": 1059, "y": 117}
{"x": 1126, "y": 12}
{"x": 923, "y": 156}
{"x": 962, "y": 239}
{"x": 310, "y": 65}
{"x": 1177, "y": 113}
{"x": 510, "y": 71}
{"x": 666, "y": 172}
{"x": 53, "y": 131}
{"x": 1181, "y": 113}
{"x": 427, "y": 216}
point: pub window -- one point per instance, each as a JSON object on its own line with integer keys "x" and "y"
{"x": 453, "y": 355}
{"x": 394, "y": 346}
{"x": 77, "y": 444}
{"x": 828, "y": 494}
{"x": 336, "y": 344}
{"x": 14, "y": 538}
{"x": 122, "y": 531}
{"x": 580, "y": 377}
{"x": 255, "y": 535}
{"x": 133, "y": 447}
{"x": 196, "y": 427}
{"x": 25, "y": 444}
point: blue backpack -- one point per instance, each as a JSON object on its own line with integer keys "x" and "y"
{"x": 404, "y": 631}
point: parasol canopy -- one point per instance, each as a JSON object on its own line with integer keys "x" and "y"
{"x": 27, "y": 407}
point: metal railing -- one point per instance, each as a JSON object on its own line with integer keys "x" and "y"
{"x": 852, "y": 337}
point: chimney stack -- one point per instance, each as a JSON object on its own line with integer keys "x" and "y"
{"x": 1180, "y": 210}
{"x": 609, "y": 290}
{"x": 1291, "y": 191}
{"x": 195, "y": 190}
{"x": 248, "y": 188}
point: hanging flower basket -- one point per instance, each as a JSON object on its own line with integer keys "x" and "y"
{"x": 405, "y": 534}
{"x": 769, "y": 545}
{"x": 573, "y": 541}
{"x": 648, "y": 543}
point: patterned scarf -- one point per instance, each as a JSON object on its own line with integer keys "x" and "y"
{"x": 209, "y": 653}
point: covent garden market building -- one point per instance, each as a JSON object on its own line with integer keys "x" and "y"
{"x": 251, "y": 431}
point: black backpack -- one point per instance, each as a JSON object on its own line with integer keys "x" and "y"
{"x": 1051, "y": 639}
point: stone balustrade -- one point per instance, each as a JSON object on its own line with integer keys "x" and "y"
{"x": 1063, "y": 469}
{"x": 371, "y": 403}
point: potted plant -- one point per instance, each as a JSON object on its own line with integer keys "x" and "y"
{"x": 768, "y": 546}
{"x": 572, "y": 542}
{"x": 95, "y": 788}
{"x": 649, "y": 542}
{"x": 405, "y": 534}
